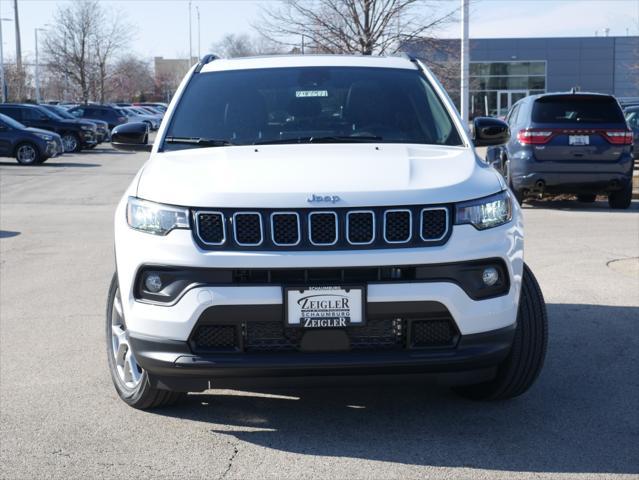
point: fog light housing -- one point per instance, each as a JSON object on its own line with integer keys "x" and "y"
{"x": 153, "y": 282}
{"x": 490, "y": 276}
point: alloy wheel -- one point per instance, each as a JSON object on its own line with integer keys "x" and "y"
{"x": 26, "y": 154}
{"x": 128, "y": 370}
{"x": 70, "y": 143}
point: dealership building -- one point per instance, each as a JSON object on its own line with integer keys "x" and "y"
{"x": 503, "y": 70}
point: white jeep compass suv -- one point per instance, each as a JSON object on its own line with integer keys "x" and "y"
{"x": 314, "y": 216}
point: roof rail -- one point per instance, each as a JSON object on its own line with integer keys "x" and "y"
{"x": 208, "y": 58}
{"x": 409, "y": 56}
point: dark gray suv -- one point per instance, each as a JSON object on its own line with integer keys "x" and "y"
{"x": 575, "y": 143}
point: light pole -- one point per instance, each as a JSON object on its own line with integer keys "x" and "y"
{"x": 465, "y": 44}
{"x": 190, "y": 37}
{"x": 3, "y": 86}
{"x": 199, "y": 53}
{"x": 37, "y": 63}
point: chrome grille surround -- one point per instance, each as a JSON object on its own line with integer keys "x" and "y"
{"x": 237, "y": 215}
{"x": 273, "y": 232}
{"x": 410, "y": 225}
{"x": 421, "y": 223}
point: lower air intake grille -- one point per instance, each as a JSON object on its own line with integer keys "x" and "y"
{"x": 432, "y": 333}
{"x": 216, "y": 337}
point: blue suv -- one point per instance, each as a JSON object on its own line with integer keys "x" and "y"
{"x": 574, "y": 143}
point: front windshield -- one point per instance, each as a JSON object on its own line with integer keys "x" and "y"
{"x": 61, "y": 112}
{"x": 49, "y": 113}
{"x": 11, "y": 122}
{"x": 306, "y": 104}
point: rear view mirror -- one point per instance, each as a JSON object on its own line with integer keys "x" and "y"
{"x": 490, "y": 131}
{"x": 132, "y": 137}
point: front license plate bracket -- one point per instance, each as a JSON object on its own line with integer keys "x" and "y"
{"x": 316, "y": 307}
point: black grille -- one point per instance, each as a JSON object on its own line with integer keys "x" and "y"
{"x": 397, "y": 226}
{"x": 382, "y": 334}
{"x": 434, "y": 224}
{"x": 361, "y": 227}
{"x": 323, "y": 228}
{"x": 432, "y": 333}
{"x": 377, "y": 334}
{"x": 216, "y": 337}
{"x": 248, "y": 228}
{"x": 286, "y": 230}
{"x": 271, "y": 336}
{"x": 211, "y": 227}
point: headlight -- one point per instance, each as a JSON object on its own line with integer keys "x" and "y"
{"x": 487, "y": 212}
{"x": 44, "y": 136}
{"x": 87, "y": 127}
{"x": 155, "y": 218}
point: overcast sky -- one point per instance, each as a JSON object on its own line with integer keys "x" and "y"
{"x": 161, "y": 26}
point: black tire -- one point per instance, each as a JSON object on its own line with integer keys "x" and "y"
{"x": 621, "y": 199}
{"x": 77, "y": 144}
{"x": 517, "y": 373}
{"x": 34, "y": 157}
{"x": 143, "y": 396}
{"x": 587, "y": 198}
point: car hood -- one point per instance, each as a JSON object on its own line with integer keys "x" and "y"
{"x": 76, "y": 123}
{"x": 97, "y": 122}
{"x": 39, "y": 130}
{"x": 283, "y": 176}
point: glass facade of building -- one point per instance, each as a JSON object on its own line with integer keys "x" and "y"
{"x": 496, "y": 86}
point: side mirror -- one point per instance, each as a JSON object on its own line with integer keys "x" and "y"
{"x": 131, "y": 137}
{"x": 488, "y": 131}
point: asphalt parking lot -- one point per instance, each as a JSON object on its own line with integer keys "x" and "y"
{"x": 60, "y": 416}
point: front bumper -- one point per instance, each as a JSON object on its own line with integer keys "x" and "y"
{"x": 161, "y": 334}
{"x": 54, "y": 148}
{"x": 172, "y": 365}
{"x": 88, "y": 137}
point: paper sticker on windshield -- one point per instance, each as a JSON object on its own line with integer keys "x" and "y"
{"x": 311, "y": 93}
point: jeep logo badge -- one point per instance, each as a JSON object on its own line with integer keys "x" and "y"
{"x": 322, "y": 198}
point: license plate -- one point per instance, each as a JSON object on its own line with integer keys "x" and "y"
{"x": 324, "y": 307}
{"x": 579, "y": 140}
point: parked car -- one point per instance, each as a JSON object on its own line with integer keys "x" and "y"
{"x": 151, "y": 111}
{"x": 574, "y": 143}
{"x": 102, "y": 128}
{"x": 113, "y": 116}
{"x": 632, "y": 117}
{"x": 157, "y": 105}
{"x": 76, "y": 134}
{"x": 306, "y": 216}
{"x": 29, "y": 146}
{"x": 135, "y": 115}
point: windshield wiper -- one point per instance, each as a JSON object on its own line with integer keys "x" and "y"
{"x": 198, "y": 141}
{"x": 327, "y": 139}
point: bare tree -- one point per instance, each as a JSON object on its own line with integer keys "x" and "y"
{"x": 350, "y": 26}
{"x": 131, "y": 79}
{"x": 67, "y": 46}
{"x": 82, "y": 43}
{"x": 243, "y": 45}
{"x": 110, "y": 36}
